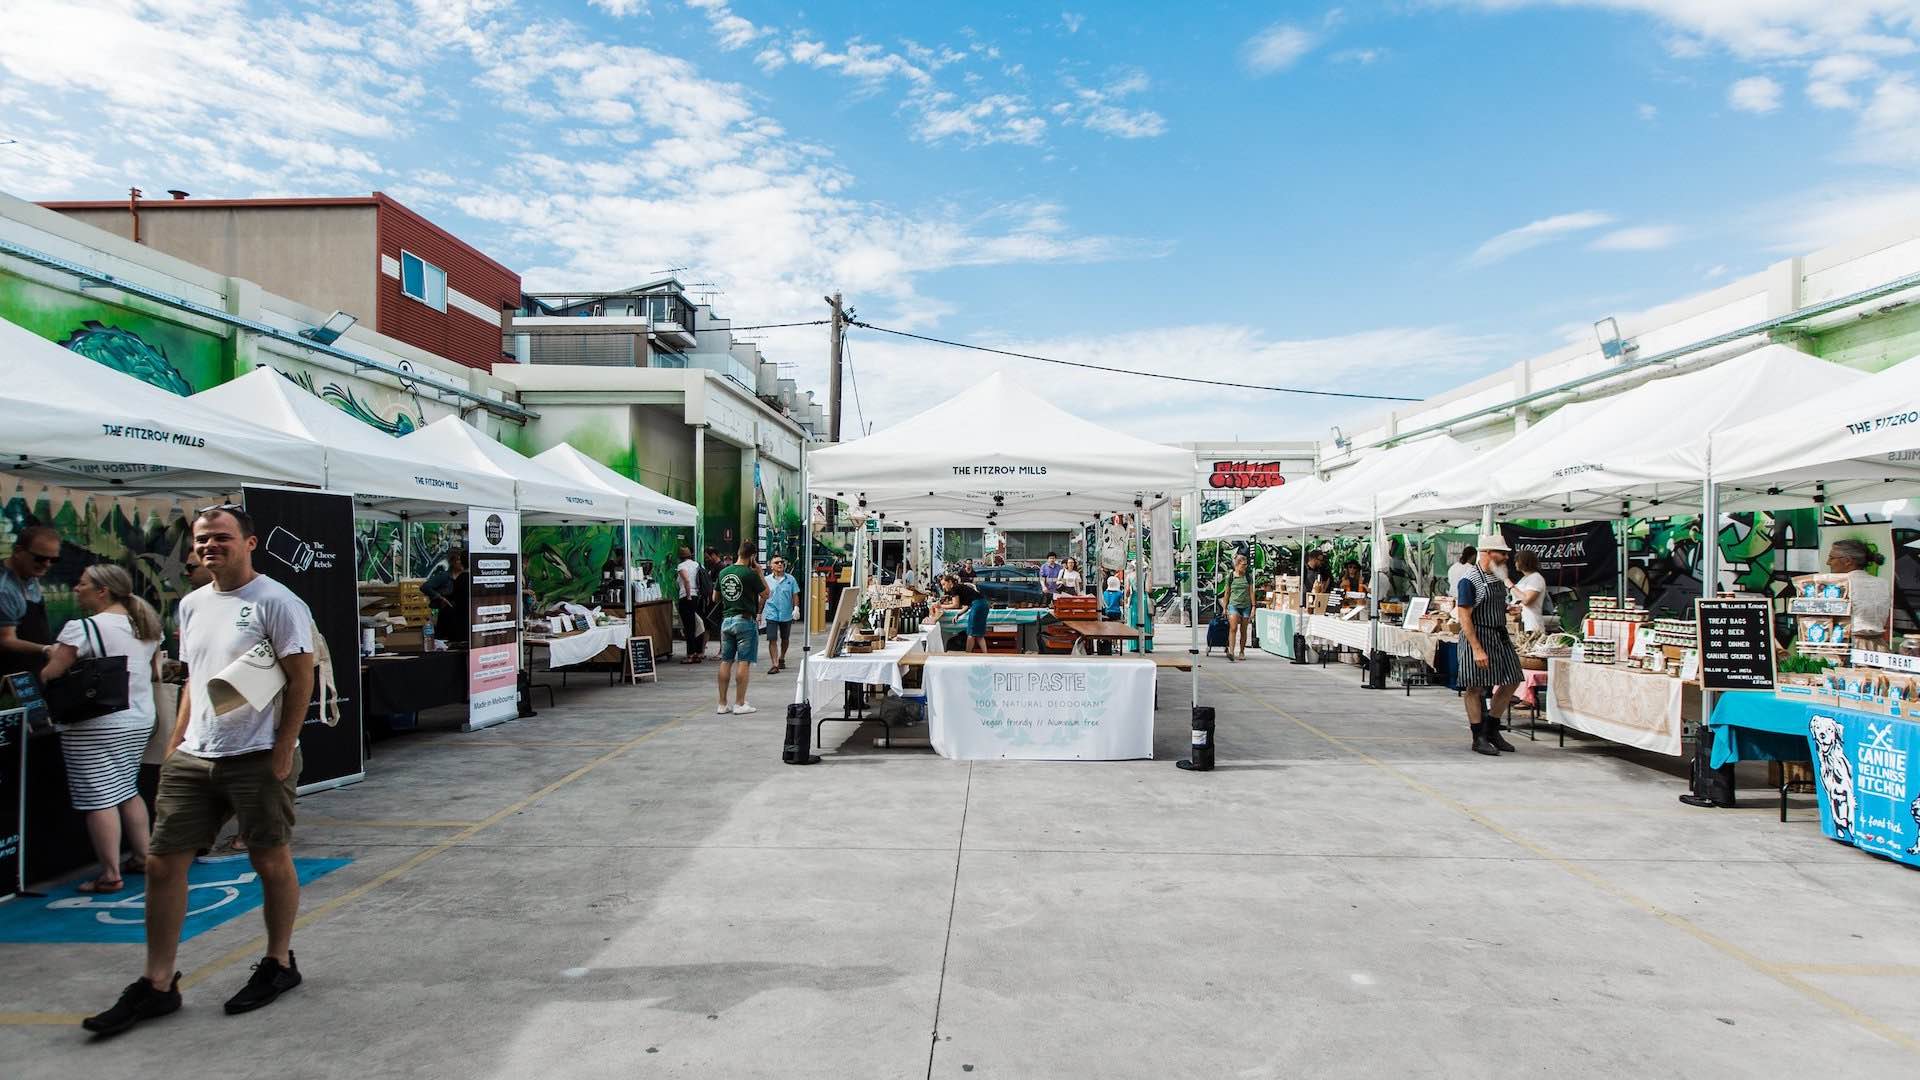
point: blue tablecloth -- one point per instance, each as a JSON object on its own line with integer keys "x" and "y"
{"x": 1751, "y": 726}
{"x": 1864, "y": 764}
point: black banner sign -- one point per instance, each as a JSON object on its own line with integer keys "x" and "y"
{"x": 640, "y": 663}
{"x": 1736, "y": 644}
{"x": 306, "y": 544}
{"x": 13, "y": 776}
{"x": 1575, "y": 557}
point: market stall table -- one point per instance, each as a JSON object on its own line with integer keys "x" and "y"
{"x": 1615, "y": 702}
{"x": 1275, "y": 631}
{"x": 826, "y": 676}
{"x": 394, "y": 685}
{"x": 1028, "y": 620}
{"x": 1097, "y": 630}
{"x": 1044, "y": 708}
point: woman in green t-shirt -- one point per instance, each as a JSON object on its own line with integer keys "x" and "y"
{"x": 1236, "y": 596}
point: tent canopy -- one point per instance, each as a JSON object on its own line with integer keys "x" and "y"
{"x": 1348, "y": 501}
{"x": 647, "y": 506}
{"x": 1262, "y": 512}
{"x": 1647, "y": 447}
{"x": 540, "y": 494}
{"x": 382, "y": 472}
{"x": 1857, "y": 441}
{"x": 79, "y": 424}
{"x": 1000, "y": 453}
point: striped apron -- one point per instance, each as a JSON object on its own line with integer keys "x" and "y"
{"x": 1489, "y": 615}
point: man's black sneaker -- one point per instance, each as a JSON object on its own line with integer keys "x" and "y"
{"x": 269, "y": 981}
{"x": 139, "y": 1001}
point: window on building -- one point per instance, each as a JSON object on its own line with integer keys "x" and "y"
{"x": 423, "y": 281}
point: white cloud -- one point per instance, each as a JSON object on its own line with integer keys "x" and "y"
{"x": 1072, "y": 22}
{"x": 1764, "y": 29}
{"x": 1755, "y": 94}
{"x": 1830, "y": 215}
{"x": 620, "y": 9}
{"x": 1098, "y": 108}
{"x": 1276, "y": 48}
{"x": 1363, "y": 57}
{"x": 1535, "y": 233}
{"x": 1637, "y": 238}
{"x": 732, "y": 31}
{"x": 1648, "y": 112}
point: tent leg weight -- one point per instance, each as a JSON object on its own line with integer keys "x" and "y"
{"x": 1376, "y": 671}
{"x": 1202, "y": 759}
{"x": 798, "y": 749}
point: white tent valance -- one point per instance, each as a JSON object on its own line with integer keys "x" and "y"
{"x": 1858, "y": 441}
{"x": 541, "y": 495}
{"x": 645, "y": 505}
{"x": 999, "y": 453}
{"x": 383, "y": 472}
{"x": 81, "y": 425}
{"x": 1347, "y": 502}
{"x": 1262, "y": 512}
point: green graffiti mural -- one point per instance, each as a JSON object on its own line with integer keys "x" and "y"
{"x": 344, "y": 399}
{"x": 380, "y": 553}
{"x": 563, "y": 562}
{"x": 152, "y": 346}
{"x": 154, "y": 550}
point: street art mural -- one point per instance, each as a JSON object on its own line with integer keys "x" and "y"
{"x": 152, "y": 347}
{"x": 348, "y": 401}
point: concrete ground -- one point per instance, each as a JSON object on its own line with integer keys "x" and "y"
{"x": 630, "y": 886}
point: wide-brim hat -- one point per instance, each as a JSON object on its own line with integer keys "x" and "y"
{"x": 1494, "y": 542}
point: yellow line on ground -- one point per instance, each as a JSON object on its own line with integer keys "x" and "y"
{"x": 1881, "y": 971}
{"x": 1608, "y": 808}
{"x": 1678, "y": 922}
{"x": 255, "y": 947}
{"x": 383, "y": 823}
{"x": 26, "y": 1019}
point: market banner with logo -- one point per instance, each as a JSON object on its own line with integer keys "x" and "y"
{"x": 1576, "y": 557}
{"x": 982, "y": 708}
{"x": 1868, "y": 794}
{"x": 306, "y": 544}
{"x": 493, "y": 610}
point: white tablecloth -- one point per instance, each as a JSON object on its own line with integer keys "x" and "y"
{"x": 1636, "y": 708}
{"x": 825, "y": 675}
{"x": 1054, "y": 708}
{"x": 1357, "y": 634}
{"x": 570, "y": 649}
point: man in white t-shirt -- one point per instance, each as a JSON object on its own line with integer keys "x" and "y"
{"x": 244, "y": 761}
{"x": 1461, "y": 568}
{"x": 688, "y": 605}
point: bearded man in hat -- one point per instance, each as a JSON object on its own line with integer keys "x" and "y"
{"x": 1487, "y": 660}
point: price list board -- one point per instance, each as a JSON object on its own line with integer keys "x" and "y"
{"x": 1736, "y": 644}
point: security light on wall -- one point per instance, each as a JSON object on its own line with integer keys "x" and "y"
{"x": 1612, "y": 346}
{"x": 329, "y": 331}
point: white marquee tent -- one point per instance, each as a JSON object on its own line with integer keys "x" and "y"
{"x": 541, "y": 495}
{"x": 70, "y": 422}
{"x": 1856, "y": 442}
{"x": 1262, "y": 512}
{"x": 383, "y": 472}
{"x": 1347, "y": 502}
{"x": 645, "y": 505}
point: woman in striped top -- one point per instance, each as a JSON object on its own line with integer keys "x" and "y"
{"x": 103, "y": 754}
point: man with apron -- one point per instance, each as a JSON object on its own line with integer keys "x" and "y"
{"x": 25, "y": 635}
{"x": 1487, "y": 657}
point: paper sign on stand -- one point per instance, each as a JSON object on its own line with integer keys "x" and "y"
{"x": 1416, "y": 610}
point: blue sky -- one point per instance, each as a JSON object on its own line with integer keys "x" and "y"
{"x": 1387, "y": 198}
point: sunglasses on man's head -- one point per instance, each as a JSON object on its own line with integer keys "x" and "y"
{"x": 227, "y": 506}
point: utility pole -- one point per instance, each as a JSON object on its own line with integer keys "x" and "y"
{"x": 838, "y": 330}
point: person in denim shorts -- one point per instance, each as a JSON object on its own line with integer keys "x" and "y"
{"x": 742, "y": 592}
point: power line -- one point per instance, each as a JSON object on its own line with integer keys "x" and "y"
{"x": 779, "y": 325}
{"x": 1130, "y": 371}
{"x": 855, "y": 380}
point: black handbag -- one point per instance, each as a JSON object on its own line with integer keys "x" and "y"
{"x": 92, "y": 687}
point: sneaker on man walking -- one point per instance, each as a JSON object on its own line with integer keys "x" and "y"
{"x": 723, "y": 710}
{"x": 139, "y": 1001}
{"x": 269, "y": 981}
{"x": 742, "y": 709}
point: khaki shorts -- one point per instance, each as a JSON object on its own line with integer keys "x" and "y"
{"x": 197, "y": 795}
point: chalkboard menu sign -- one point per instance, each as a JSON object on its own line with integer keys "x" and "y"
{"x": 1736, "y": 644}
{"x": 640, "y": 659}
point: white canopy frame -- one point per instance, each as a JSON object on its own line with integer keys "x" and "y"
{"x": 1000, "y": 455}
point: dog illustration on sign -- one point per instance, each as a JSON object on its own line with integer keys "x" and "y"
{"x": 1836, "y": 773}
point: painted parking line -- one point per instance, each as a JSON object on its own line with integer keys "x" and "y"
{"x": 1678, "y": 922}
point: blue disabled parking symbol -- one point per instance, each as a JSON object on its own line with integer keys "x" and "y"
{"x": 216, "y": 894}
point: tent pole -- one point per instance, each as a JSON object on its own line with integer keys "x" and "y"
{"x": 1193, "y": 594}
{"x": 626, "y": 560}
{"x": 700, "y": 492}
{"x": 1486, "y": 520}
{"x": 1136, "y": 606}
{"x": 1379, "y": 560}
{"x": 806, "y": 572}
{"x": 406, "y": 549}
{"x": 1621, "y": 533}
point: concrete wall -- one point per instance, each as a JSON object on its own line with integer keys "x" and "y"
{"x": 323, "y": 256}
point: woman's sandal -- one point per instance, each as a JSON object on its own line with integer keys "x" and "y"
{"x": 99, "y": 886}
